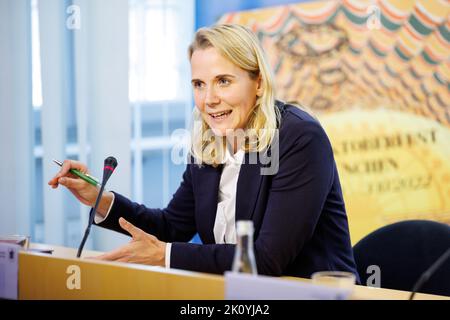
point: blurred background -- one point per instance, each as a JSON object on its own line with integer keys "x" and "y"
{"x": 86, "y": 79}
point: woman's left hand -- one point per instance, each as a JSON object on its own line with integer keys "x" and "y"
{"x": 143, "y": 248}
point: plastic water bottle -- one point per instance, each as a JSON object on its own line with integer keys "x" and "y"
{"x": 244, "y": 256}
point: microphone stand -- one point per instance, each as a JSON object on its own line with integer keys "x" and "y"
{"x": 91, "y": 218}
{"x": 429, "y": 272}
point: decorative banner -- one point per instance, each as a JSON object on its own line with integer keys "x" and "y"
{"x": 377, "y": 75}
{"x": 393, "y": 166}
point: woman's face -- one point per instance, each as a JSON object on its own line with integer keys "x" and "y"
{"x": 223, "y": 92}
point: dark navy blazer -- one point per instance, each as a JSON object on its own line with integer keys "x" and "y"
{"x": 298, "y": 213}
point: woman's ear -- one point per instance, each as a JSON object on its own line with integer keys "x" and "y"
{"x": 259, "y": 88}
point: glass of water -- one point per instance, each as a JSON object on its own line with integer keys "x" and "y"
{"x": 339, "y": 279}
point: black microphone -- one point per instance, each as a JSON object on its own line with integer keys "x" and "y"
{"x": 109, "y": 166}
{"x": 429, "y": 272}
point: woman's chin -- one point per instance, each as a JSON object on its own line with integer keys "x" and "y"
{"x": 221, "y": 132}
{"x": 220, "y": 129}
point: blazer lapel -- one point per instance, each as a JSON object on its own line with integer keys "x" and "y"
{"x": 208, "y": 190}
{"x": 248, "y": 187}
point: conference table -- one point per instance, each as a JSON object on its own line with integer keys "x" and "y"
{"x": 51, "y": 276}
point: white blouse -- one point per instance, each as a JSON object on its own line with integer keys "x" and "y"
{"x": 224, "y": 226}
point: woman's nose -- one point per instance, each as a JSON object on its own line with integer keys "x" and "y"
{"x": 211, "y": 97}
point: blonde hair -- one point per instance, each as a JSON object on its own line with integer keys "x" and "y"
{"x": 240, "y": 46}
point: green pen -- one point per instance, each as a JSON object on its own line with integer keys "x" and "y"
{"x": 86, "y": 177}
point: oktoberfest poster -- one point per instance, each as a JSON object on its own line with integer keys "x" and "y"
{"x": 376, "y": 74}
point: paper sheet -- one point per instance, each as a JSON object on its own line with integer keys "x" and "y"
{"x": 241, "y": 286}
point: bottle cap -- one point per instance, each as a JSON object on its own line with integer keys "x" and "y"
{"x": 244, "y": 227}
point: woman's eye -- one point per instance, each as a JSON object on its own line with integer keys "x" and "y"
{"x": 224, "y": 81}
{"x": 197, "y": 84}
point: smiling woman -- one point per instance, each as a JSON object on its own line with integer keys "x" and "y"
{"x": 214, "y": 80}
{"x": 298, "y": 212}
{"x": 233, "y": 88}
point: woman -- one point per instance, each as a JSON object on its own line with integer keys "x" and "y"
{"x": 293, "y": 197}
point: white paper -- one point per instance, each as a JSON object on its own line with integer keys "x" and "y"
{"x": 241, "y": 286}
{"x": 9, "y": 269}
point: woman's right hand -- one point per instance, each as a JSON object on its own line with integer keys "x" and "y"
{"x": 82, "y": 190}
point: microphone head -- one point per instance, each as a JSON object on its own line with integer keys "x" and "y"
{"x": 108, "y": 168}
{"x": 111, "y": 162}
